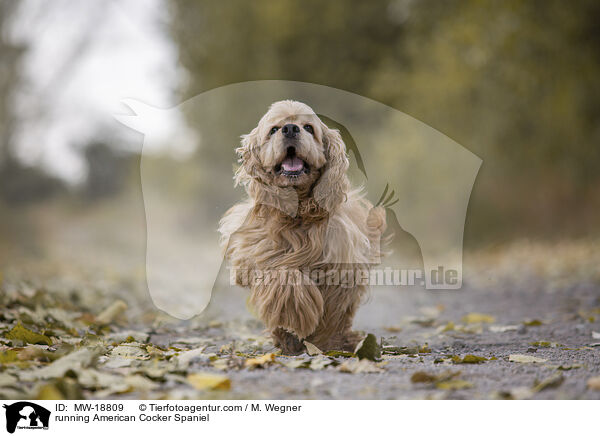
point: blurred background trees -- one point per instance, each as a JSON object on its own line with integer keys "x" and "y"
{"x": 515, "y": 82}
{"x": 18, "y": 184}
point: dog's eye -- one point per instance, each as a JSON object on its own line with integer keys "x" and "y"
{"x": 273, "y": 130}
{"x": 309, "y": 128}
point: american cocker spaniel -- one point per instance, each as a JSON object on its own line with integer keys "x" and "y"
{"x": 303, "y": 240}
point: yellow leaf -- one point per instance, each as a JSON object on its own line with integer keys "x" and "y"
{"x": 478, "y": 318}
{"x": 208, "y": 381}
{"x": 8, "y": 356}
{"x": 422, "y": 377}
{"x": 454, "y": 385}
{"x": 425, "y": 349}
{"x": 469, "y": 358}
{"x": 533, "y": 323}
{"x": 448, "y": 327}
{"x": 20, "y": 333}
{"x": 261, "y": 361}
{"x": 49, "y": 392}
{"x": 426, "y": 377}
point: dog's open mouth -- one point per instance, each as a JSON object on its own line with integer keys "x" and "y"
{"x": 292, "y": 166}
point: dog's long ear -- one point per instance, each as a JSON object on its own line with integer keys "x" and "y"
{"x": 248, "y": 159}
{"x": 333, "y": 185}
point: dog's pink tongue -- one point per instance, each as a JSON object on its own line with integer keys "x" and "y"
{"x": 292, "y": 164}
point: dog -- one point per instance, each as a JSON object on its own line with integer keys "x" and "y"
{"x": 301, "y": 228}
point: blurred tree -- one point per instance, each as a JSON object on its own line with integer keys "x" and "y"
{"x": 18, "y": 183}
{"x": 515, "y": 82}
{"x": 108, "y": 170}
{"x": 11, "y": 53}
{"x": 336, "y": 43}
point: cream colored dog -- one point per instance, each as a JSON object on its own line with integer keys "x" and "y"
{"x": 300, "y": 230}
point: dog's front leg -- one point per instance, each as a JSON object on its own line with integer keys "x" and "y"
{"x": 286, "y": 341}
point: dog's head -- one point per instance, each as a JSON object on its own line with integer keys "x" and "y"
{"x": 292, "y": 147}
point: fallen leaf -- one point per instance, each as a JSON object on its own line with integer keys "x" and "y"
{"x": 469, "y": 358}
{"x": 393, "y": 329}
{"x": 426, "y": 377}
{"x": 261, "y": 361}
{"x": 553, "y": 381}
{"x": 523, "y": 358}
{"x": 336, "y": 353}
{"x": 368, "y": 348}
{"x": 49, "y": 392}
{"x": 544, "y": 344}
{"x": 128, "y": 335}
{"x": 8, "y": 356}
{"x": 319, "y": 363}
{"x": 131, "y": 350}
{"x": 423, "y": 377}
{"x": 451, "y": 327}
{"x": 7, "y": 379}
{"x": 20, "y": 333}
{"x": 111, "y": 312}
{"x": 208, "y": 381}
{"x": 184, "y": 358}
{"x": 311, "y": 349}
{"x": 355, "y": 366}
{"x": 69, "y": 388}
{"x": 533, "y": 323}
{"x": 71, "y": 362}
{"x": 594, "y": 383}
{"x": 432, "y": 311}
{"x": 446, "y": 328}
{"x": 423, "y": 322}
{"x": 569, "y": 367}
{"x": 424, "y": 349}
{"x": 518, "y": 393}
{"x": 139, "y": 383}
{"x": 478, "y": 318}
{"x": 503, "y": 328}
{"x": 454, "y": 385}
{"x": 189, "y": 340}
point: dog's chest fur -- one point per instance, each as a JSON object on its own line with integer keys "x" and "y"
{"x": 290, "y": 242}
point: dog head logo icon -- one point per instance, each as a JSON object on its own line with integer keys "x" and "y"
{"x": 26, "y": 415}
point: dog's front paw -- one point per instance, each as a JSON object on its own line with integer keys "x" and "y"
{"x": 351, "y": 340}
{"x": 287, "y": 342}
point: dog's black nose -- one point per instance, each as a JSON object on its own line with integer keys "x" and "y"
{"x": 290, "y": 130}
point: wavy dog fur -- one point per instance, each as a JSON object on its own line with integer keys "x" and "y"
{"x": 296, "y": 225}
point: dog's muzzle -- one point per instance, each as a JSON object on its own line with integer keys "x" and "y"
{"x": 292, "y": 165}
